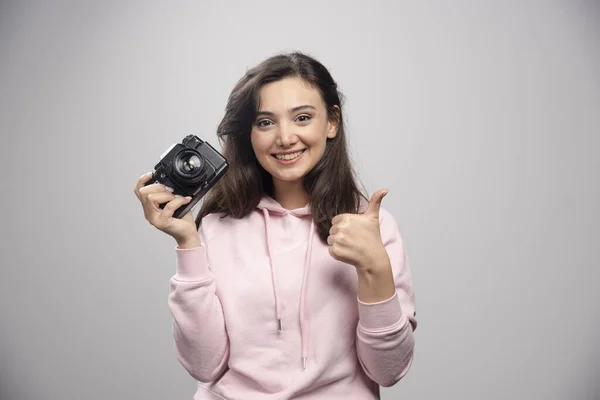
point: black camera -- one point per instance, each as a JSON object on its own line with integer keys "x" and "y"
{"x": 190, "y": 168}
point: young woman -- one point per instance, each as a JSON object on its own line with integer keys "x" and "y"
{"x": 289, "y": 284}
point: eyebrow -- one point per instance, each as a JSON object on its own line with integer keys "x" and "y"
{"x": 291, "y": 110}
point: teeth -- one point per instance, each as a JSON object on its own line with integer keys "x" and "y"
{"x": 288, "y": 157}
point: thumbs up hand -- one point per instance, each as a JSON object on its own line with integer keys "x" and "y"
{"x": 356, "y": 239}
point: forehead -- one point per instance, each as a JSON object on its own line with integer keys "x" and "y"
{"x": 288, "y": 93}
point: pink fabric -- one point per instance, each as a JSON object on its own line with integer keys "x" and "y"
{"x": 262, "y": 311}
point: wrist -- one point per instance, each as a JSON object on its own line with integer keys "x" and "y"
{"x": 375, "y": 264}
{"x": 188, "y": 242}
{"x": 373, "y": 271}
{"x": 376, "y": 285}
{"x": 375, "y": 279}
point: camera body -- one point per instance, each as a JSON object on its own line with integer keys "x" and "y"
{"x": 190, "y": 168}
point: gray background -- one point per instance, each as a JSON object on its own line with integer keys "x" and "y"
{"x": 482, "y": 118}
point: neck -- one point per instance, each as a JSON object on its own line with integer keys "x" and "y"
{"x": 290, "y": 195}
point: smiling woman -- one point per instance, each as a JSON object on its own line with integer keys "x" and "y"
{"x": 273, "y": 109}
{"x": 289, "y": 283}
{"x": 290, "y": 139}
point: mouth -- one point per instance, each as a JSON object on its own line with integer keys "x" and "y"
{"x": 289, "y": 156}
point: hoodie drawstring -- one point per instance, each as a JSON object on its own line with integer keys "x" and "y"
{"x": 307, "y": 262}
{"x": 273, "y": 273}
{"x": 303, "y": 324}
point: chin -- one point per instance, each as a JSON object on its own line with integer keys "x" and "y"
{"x": 289, "y": 178}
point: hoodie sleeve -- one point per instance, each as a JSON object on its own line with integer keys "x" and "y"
{"x": 201, "y": 341}
{"x": 385, "y": 341}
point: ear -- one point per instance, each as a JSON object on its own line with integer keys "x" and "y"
{"x": 333, "y": 122}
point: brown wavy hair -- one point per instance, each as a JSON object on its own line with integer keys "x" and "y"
{"x": 331, "y": 185}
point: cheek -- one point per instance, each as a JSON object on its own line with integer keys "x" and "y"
{"x": 259, "y": 145}
{"x": 319, "y": 142}
{"x": 316, "y": 137}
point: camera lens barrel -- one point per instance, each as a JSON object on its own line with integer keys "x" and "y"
{"x": 188, "y": 167}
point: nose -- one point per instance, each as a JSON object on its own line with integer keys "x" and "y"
{"x": 286, "y": 136}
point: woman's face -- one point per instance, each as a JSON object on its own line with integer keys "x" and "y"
{"x": 291, "y": 129}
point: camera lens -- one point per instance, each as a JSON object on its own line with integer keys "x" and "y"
{"x": 190, "y": 164}
{"x": 188, "y": 167}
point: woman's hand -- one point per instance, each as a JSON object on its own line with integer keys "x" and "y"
{"x": 356, "y": 238}
{"x": 182, "y": 229}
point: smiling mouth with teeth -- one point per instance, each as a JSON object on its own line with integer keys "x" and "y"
{"x": 287, "y": 157}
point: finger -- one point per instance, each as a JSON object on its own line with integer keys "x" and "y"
{"x": 375, "y": 202}
{"x": 337, "y": 219}
{"x": 173, "y": 205}
{"x": 334, "y": 229}
{"x": 334, "y": 252}
{"x": 160, "y": 198}
{"x": 154, "y": 188}
{"x": 330, "y": 240}
{"x": 141, "y": 182}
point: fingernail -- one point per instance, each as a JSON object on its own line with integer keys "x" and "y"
{"x": 188, "y": 197}
{"x": 169, "y": 189}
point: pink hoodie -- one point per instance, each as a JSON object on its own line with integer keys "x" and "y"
{"x": 262, "y": 311}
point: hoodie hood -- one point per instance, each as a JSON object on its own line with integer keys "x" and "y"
{"x": 270, "y": 206}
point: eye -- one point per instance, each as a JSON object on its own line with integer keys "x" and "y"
{"x": 303, "y": 118}
{"x": 263, "y": 123}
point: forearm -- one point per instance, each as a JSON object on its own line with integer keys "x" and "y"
{"x": 385, "y": 341}
{"x": 198, "y": 329}
{"x": 375, "y": 280}
{"x": 198, "y": 321}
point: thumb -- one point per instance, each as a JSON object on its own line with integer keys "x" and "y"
{"x": 375, "y": 202}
